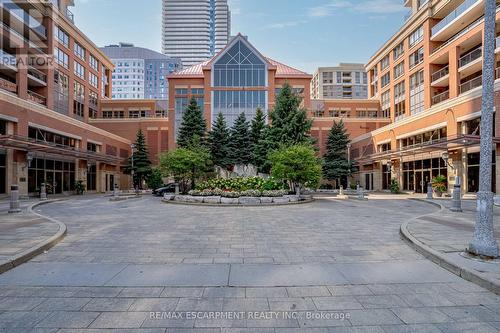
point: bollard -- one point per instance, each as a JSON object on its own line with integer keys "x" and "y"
{"x": 115, "y": 191}
{"x": 456, "y": 200}
{"x": 43, "y": 191}
{"x": 429, "y": 190}
{"x": 177, "y": 189}
{"x": 341, "y": 191}
{"x": 14, "y": 200}
{"x": 361, "y": 193}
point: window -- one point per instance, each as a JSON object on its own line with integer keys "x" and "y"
{"x": 197, "y": 91}
{"x": 94, "y": 63}
{"x": 61, "y": 92}
{"x": 91, "y": 147}
{"x": 232, "y": 103}
{"x": 399, "y": 110}
{"x": 79, "y": 51}
{"x": 181, "y": 91}
{"x": 239, "y": 67}
{"x": 78, "y": 109}
{"x": 386, "y": 103}
{"x": 399, "y": 90}
{"x": 417, "y": 92}
{"x": 93, "y": 80}
{"x": 61, "y": 58}
{"x": 417, "y": 57}
{"x": 385, "y": 79}
{"x": 93, "y": 100}
{"x": 416, "y": 36}
{"x": 79, "y": 70}
{"x": 398, "y": 51}
{"x": 384, "y": 63}
{"x": 79, "y": 91}
{"x": 399, "y": 69}
{"x": 61, "y": 36}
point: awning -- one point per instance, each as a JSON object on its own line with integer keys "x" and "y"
{"x": 26, "y": 144}
{"x": 451, "y": 143}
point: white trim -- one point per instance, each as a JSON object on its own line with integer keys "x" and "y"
{"x": 469, "y": 116}
{"x": 384, "y": 142}
{"x": 94, "y": 142}
{"x": 45, "y": 128}
{"x": 422, "y": 130}
{"x": 8, "y": 118}
{"x": 151, "y": 128}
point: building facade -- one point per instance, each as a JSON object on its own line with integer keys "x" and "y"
{"x": 428, "y": 78}
{"x": 52, "y": 79}
{"x": 140, "y": 73}
{"x": 195, "y": 30}
{"x": 345, "y": 81}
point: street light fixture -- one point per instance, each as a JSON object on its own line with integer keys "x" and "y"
{"x": 483, "y": 242}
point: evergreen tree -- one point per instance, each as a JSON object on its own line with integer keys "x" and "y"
{"x": 258, "y": 130}
{"x": 289, "y": 122}
{"x": 241, "y": 141}
{"x": 193, "y": 126}
{"x": 336, "y": 164}
{"x": 219, "y": 142}
{"x": 139, "y": 162}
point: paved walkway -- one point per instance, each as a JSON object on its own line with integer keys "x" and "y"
{"x": 327, "y": 266}
{"x": 449, "y": 233}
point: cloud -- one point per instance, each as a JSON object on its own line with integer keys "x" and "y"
{"x": 282, "y": 25}
{"x": 364, "y": 6}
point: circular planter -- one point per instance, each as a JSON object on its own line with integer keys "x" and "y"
{"x": 241, "y": 201}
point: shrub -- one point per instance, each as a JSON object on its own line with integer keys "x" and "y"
{"x": 439, "y": 184}
{"x": 251, "y": 193}
{"x": 231, "y": 194}
{"x": 241, "y": 184}
{"x": 394, "y": 186}
{"x": 274, "y": 193}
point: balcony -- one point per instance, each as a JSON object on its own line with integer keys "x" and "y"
{"x": 440, "y": 78}
{"x": 36, "y": 98}
{"x": 8, "y": 86}
{"x": 462, "y": 16}
{"x": 441, "y": 97}
{"x": 471, "y": 62}
{"x": 36, "y": 77}
{"x": 8, "y": 61}
{"x": 70, "y": 16}
{"x": 471, "y": 84}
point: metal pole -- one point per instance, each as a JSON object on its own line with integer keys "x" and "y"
{"x": 429, "y": 190}
{"x": 483, "y": 242}
{"x": 14, "y": 200}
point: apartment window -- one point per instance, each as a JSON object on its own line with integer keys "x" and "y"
{"x": 94, "y": 63}
{"x": 61, "y": 58}
{"x": 385, "y": 79}
{"x": 93, "y": 80}
{"x": 398, "y": 51}
{"x": 327, "y": 77}
{"x": 79, "y": 51}
{"x": 416, "y": 36}
{"x": 357, "y": 77}
{"x": 417, "y": 57}
{"x": 399, "y": 110}
{"x": 399, "y": 90}
{"x": 93, "y": 99}
{"x": 79, "y": 91}
{"x": 399, "y": 69}
{"x": 386, "y": 99}
{"x": 61, "y": 92}
{"x": 181, "y": 91}
{"x": 79, "y": 70}
{"x": 61, "y": 36}
{"x": 197, "y": 91}
{"x": 91, "y": 147}
{"x": 78, "y": 109}
{"x": 417, "y": 92}
{"x": 384, "y": 63}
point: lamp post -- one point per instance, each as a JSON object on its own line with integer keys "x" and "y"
{"x": 132, "y": 172}
{"x": 456, "y": 199}
{"x": 483, "y": 242}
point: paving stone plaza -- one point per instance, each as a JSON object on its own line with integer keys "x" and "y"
{"x": 326, "y": 266}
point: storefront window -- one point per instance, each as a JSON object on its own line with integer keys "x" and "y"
{"x": 3, "y": 174}
{"x": 59, "y": 176}
{"x": 473, "y": 172}
{"x": 417, "y": 174}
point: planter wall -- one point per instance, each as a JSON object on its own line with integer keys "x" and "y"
{"x": 242, "y": 201}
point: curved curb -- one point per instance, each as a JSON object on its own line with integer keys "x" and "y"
{"x": 39, "y": 248}
{"x": 235, "y": 205}
{"x": 441, "y": 260}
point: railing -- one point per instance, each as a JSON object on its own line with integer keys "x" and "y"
{"x": 8, "y": 86}
{"x": 34, "y": 97}
{"x": 453, "y": 15}
{"x": 70, "y": 15}
{"x": 37, "y": 74}
{"x": 441, "y": 97}
{"x": 469, "y": 85}
{"x": 7, "y": 59}
{"x": 31, "y": 22}
{"x": 470, "y": 57}
{"x": 440, "y": 73}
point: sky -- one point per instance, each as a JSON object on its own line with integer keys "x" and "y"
{"x": 305, "y": 34}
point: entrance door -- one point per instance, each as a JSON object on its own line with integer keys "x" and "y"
{"x": 58, "y": 183}
{"x": 111, "y": 182}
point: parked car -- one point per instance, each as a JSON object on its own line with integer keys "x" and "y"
{"x": 167, "y": 188}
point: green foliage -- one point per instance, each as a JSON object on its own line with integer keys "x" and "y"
{"x": 186, "y": 165}
{"x": 155, "y": 179}
{"x": 297, "y": 164}
{"x": 241, "y": 142}
{"x": 79, "y": 187}
{"x": 193, "y": 127}
{"x": 257, "y": 132}
{"x": 439, "y": 183}
{"x": 237, "y": 194}
{"x": 241, "y": 184}
{"x": 395, "y": 186}
{"x": 139, "y": 162}
{"x": 336, "y": 164}
{"x": 219, "y": 142}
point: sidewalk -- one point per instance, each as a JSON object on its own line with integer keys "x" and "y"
{"x": 444, "y": 236}
{"x": 25, "y": 235}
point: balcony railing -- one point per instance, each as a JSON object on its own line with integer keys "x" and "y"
{"x": 37, "y": 74}
{"x": 34, "y": 97}
{"x": 469, "y": 85}
{"x": 440, "y": 73}
{"x": 70, "y": 16}
{"x": 441, "y": 97}
{"x": 453, "y": 15}
{"x": 8, "y": 86}
{"x": 7, "y": 59}
{"x": 470, "y": 57}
